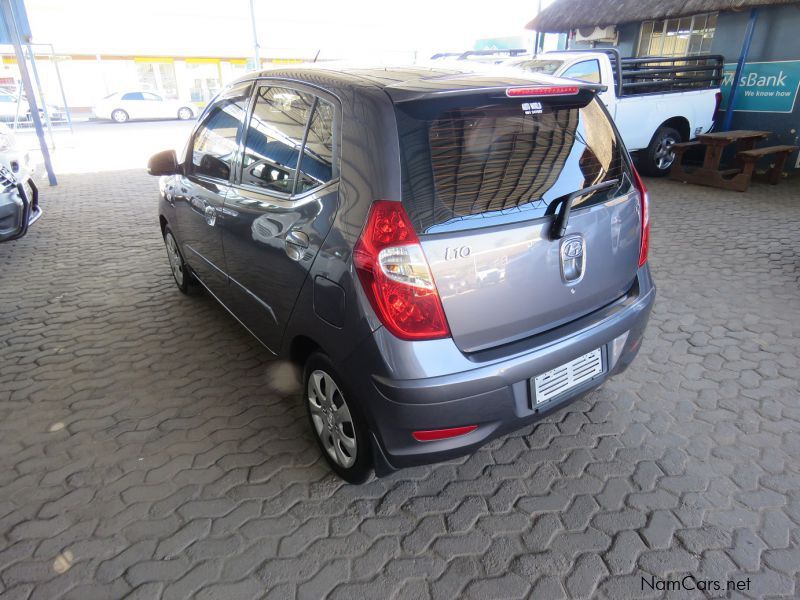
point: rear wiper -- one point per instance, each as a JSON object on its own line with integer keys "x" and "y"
{"x": 559, "y": 227}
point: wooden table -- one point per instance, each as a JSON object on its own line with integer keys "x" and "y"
{"x": 711, "y": 173}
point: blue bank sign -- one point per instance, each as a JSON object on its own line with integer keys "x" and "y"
{"x": 763, "y": 86}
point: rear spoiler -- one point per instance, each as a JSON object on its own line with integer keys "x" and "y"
{"x": 518, "y": 89}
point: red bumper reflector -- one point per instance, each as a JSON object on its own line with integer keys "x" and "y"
{"x": 542, "y": 91}
{"x": 431, "y": 435}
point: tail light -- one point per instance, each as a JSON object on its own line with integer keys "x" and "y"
{"x": 644, "y": 198}
{"x": 432, "y": 435}
{"x": 717, "y": 104}
{"x": 396, "y": 277}
{"x": 541, "y": 90}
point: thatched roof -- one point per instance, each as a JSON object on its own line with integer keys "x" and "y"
{"x": 564, "y": 15}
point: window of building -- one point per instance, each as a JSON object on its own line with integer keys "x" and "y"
{"x": 205, "y": 79}
{"x": 684, "y": 36}
{"x": 159, "y": 76}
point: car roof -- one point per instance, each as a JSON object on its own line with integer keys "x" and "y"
{"x": 404, "y": 83}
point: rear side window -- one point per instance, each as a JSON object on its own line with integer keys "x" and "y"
{"x": 289, "y": 142}
{"x": 504, "y": 159}
{"x": 274, "y": 138}
{"x": 316, "y": 163}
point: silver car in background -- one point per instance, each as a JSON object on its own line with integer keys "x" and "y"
{"x": 121, "y": 107}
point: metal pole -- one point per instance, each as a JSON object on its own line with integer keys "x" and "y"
{"x": 13, "y": 31}
{"x": 61, "y": 86}
{"x": 41, "y": 97}
{"x": 539, "y": 34}
{"x": 256, "y": 47}
{"x": 748, "y": 37}
{"x": 16, "y": 112}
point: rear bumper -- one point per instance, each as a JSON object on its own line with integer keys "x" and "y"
{"x": 495, "y": 394}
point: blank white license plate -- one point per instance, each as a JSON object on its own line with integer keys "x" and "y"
{"x": 567, "y": 376}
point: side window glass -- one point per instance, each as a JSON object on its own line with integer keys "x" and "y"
{"x": 149, "y": 96}
{"x": 274, "y": 138}
{"x": 215, "y": 141}
{"x": 587, "y": 70}
{"x": 316, "y": 165}
{"x": 133, "y": 96}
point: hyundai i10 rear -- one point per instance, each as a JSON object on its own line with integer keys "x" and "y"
{"x": 448, "y": 256}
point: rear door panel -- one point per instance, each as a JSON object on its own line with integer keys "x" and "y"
{"x": 266, "y": 267}
{"x": 282, "y": 207}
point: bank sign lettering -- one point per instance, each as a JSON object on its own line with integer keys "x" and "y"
{"x": 763, "y": 86}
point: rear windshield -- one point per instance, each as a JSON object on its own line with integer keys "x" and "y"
{"x": 477, "y": 164}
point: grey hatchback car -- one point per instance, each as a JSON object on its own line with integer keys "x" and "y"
{"x": 447, "y": 255}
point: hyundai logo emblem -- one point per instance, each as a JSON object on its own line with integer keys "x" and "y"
{"x": 572, "y": 248}
{"x": 573, "y": 259}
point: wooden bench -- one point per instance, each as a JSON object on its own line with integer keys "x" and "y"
{"x": 719, "y": 177}
{"x": 680, "y": 149}
{"x": 748, "y": 159}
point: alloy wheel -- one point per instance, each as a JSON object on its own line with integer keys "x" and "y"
{"x": 175, "y": 260}
{"x": 332, "y": 420}
{"x": 664, "y": 154}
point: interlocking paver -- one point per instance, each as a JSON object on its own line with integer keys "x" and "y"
{"x": 148, "y": 446}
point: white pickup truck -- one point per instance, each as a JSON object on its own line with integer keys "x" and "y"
{"x": 655, "y": 101}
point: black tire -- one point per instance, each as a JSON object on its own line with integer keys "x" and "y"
{"x": 119, "y": 116}
{"x": 181, "y": 273}
{"x": 185, "y": 113}
{"x": 359, "y": 470}
{"x": 656, "y": 160}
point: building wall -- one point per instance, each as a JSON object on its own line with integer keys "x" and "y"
{"x": 774, "y": 38}
{"x": 627, "y": 38}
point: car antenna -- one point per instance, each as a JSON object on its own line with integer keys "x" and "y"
{"x": 316, "y": 56}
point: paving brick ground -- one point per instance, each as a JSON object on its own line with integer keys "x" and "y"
{"x": 129, "y": 466}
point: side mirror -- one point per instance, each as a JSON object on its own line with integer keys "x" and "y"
{"x": 163, "y": 163}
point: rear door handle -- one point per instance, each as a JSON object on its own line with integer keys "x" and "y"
{"x": 297, "y": 238}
